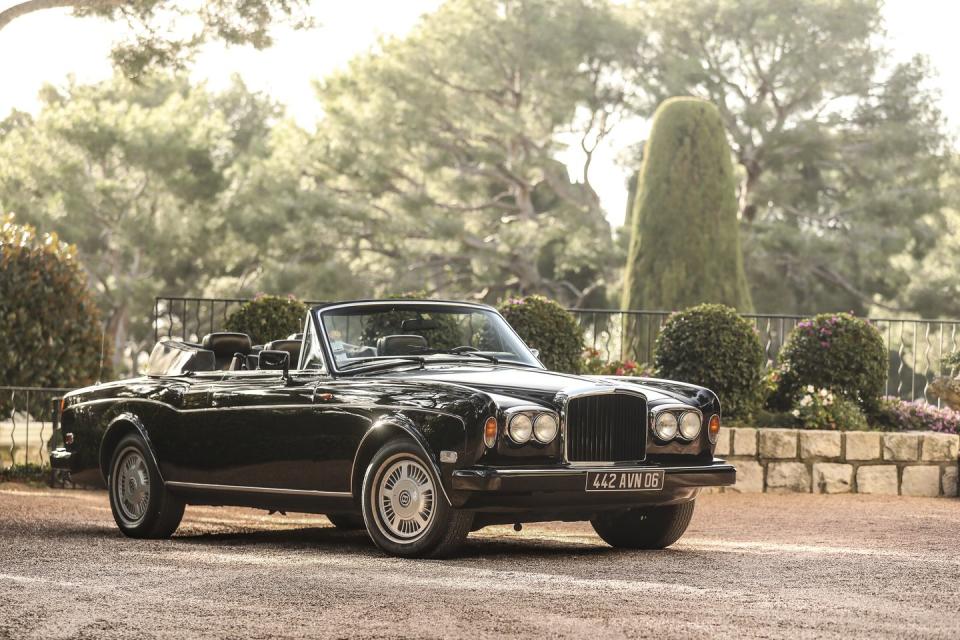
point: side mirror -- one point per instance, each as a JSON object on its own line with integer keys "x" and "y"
{"x": 275, "y": 361}
{"x": 536, "y": 353}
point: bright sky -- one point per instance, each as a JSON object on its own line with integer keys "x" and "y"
{"x": 48, "y": 46}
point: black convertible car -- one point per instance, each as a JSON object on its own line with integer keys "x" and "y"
{"x": 417, "y": 420}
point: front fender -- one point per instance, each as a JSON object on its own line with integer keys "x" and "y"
{"x": 121, "y": 425}
{"x": 432, "y": 433}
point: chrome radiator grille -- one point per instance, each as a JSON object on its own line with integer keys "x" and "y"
{"x": 610, "y": 427}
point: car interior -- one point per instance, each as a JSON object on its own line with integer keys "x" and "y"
{"x": 233, "y": 351}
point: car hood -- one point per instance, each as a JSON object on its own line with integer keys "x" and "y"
{"x": 542, "y": 386}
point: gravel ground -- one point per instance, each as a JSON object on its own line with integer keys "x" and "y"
{"x": 750, "y": 566}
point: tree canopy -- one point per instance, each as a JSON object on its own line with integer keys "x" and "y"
{"x": 149, "y": 181}
{"x": 165, "y": 33}
{"x": 448, "y": 138}
{"x": 837, "y": 147}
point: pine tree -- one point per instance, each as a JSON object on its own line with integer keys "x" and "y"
{"x": 684, "y": 245}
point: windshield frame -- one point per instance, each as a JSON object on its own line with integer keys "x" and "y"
{"x": 464, "y": 307}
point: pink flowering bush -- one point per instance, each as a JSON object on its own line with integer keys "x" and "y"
{"x": 899, "y": 415}
{"x": 834, "y": 351}
{"x": 594, "y": 364}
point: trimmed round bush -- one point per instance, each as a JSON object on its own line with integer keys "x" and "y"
{"x": 712, "y": 346}
{"x": 545, "y": 325}
{"x": 267, "y": 318}
{"x": 50, "y": 332}
{"x": 835, "y": 351}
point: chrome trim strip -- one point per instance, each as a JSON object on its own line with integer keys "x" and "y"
{"x": 579, "y": 471}
{"x": 338, "y": 405}
{"x": 242, "y": 489}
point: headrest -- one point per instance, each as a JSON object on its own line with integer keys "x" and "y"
{"x": 401, "y": 345}
{"x": 225, "y": 344}
{"x": 290, "y": 346}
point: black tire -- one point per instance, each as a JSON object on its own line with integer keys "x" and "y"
{"x": 346, "y": 521}
{"x": 440, "y": 532}
{"x": 648, "y": 528}
{"x": 135, "y": 480}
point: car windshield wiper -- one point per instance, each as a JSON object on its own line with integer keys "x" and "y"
{"x": 375, "y": 363}
{"x": 457, "y": 352}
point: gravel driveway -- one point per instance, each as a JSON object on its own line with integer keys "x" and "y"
{"x": 750, "y": 566}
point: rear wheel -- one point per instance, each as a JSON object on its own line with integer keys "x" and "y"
{"x": 405, "y": 511}
{"x": 141, "y": 505}
{"x": 647, "y": 528}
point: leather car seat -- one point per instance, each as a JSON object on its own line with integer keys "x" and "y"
{"x": 401, "y": 345}
{"x": 290, "y": 346}
{"x": 225, "y": 345}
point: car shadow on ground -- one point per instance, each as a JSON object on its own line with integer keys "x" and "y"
{"x": 330, "y": 539}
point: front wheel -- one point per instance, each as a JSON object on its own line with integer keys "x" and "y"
{"x": 646, "y": 528}
{"x": 141, "y": 505}
{"x": 405, "y": 511}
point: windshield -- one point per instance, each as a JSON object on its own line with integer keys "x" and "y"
{"x": 365, "y": 334}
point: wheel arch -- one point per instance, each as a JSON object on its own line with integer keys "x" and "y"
{"x": 122, "y": 425}
{"x": 387, "y": 429}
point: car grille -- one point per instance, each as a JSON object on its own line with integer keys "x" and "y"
{"x": 610, "y": 427}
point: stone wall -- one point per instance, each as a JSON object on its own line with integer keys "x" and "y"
{"x": 797, "y": 460}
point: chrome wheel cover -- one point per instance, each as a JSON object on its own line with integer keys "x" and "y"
{"x": 131, "y": 486}
{"x": 403, "y": 499}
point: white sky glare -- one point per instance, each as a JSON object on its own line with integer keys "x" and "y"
{"x": 47, "y": 46}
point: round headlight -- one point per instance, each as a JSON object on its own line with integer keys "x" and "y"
{"x": 520, "y": 428}
{"x": 666, "y": 426}
{"x": 689, "y": 425}
{"x": 545, "y": 428}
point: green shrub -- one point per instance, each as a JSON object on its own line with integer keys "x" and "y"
{"x": 950, "y": 364}
{"x": 712, "y": 346}
{"x": 267, "y": 318}
{"x": 823, "y": 409}
{"x": 545, "y": 325}
{"x": 834, "y": 351}
{"x": 50, "y": 332}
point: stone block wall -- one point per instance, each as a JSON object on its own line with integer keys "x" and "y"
{"x": 800, "y": 461}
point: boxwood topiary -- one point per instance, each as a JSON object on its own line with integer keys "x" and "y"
{"x": 835, "y": 351}
{"x": 711, "y": 345}
{"x": 545, "y": 325}
{"x": 267, "y": 318}
{"x": 50, "y": 332}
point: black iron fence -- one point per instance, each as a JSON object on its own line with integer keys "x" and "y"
{"x": 915, "y": 347}
{"x": 28, "y": 429}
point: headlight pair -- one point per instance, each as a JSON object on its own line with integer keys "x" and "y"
{"x": 684, "y": 425}
{"x": 542, "y": 426}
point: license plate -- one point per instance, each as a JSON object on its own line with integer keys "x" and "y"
{"x": 625, "y": 480}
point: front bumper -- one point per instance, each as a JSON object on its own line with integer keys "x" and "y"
{"x": 501, "y": 488}
{"x": 61, "y": 459}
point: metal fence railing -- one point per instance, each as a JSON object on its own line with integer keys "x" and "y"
{"x": 28, "y": 428}
{"x": 915, "y": 347}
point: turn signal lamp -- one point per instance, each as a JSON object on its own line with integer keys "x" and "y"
{"x": 490, "y": 432}
{"x": 714, "y": 428}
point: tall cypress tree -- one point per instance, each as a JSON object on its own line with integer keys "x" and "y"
{"x": 684, "y": 245}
